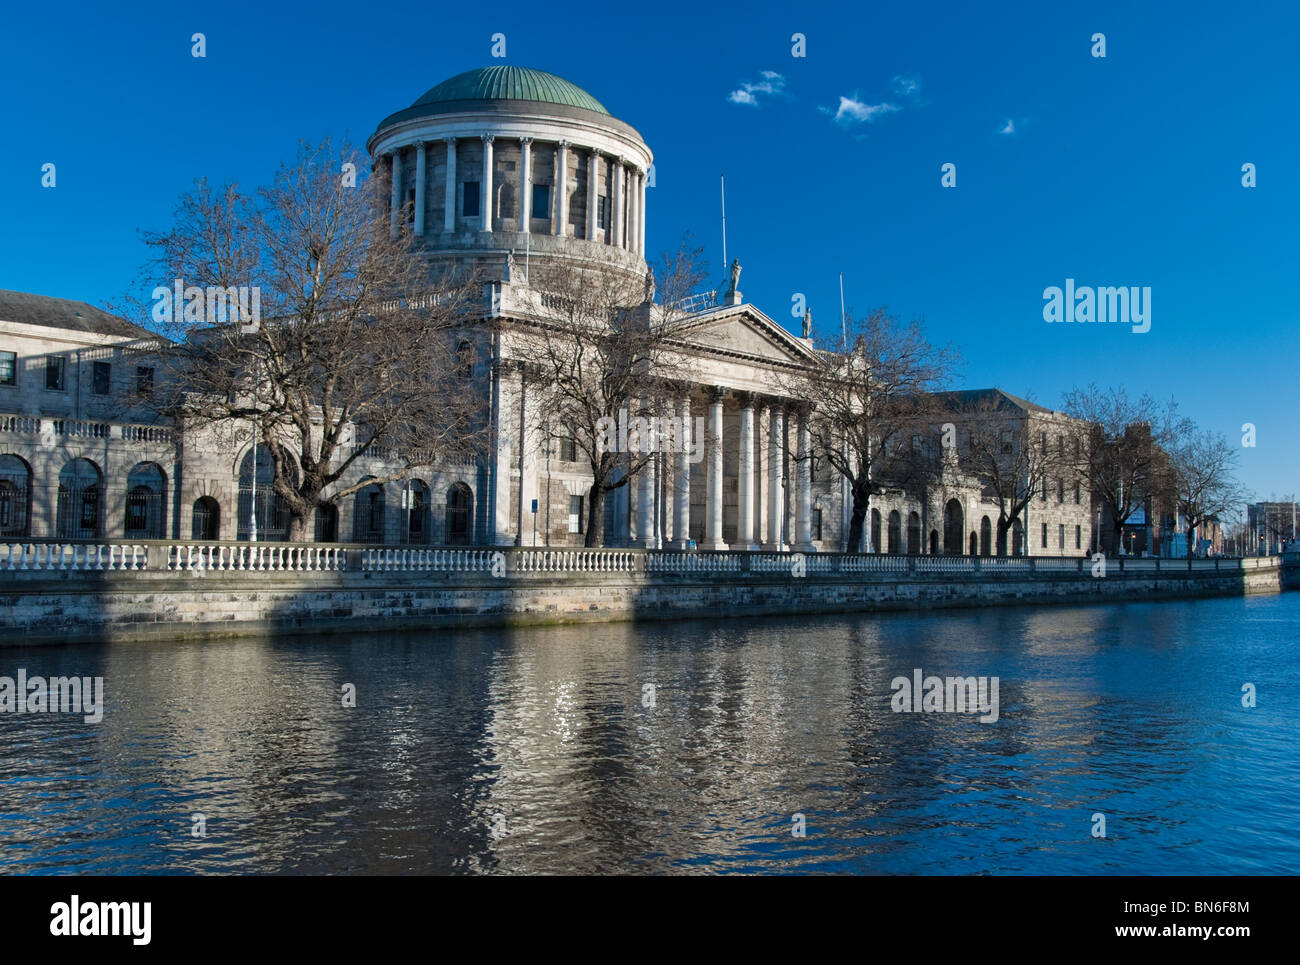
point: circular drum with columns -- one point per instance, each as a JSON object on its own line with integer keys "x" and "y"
{"x": 507, "y": 159}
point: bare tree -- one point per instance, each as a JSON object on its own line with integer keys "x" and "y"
{"x": 1205, "y": 487}
{"x": 874, "y": 408}
{"x": 1120, "y": 449}
{"x": 601, "y": 350}
{"x": 304, "y": 318}
{"x": 1008, "y": 452}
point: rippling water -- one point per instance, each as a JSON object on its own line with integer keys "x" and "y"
{"x": 531, "y": 750}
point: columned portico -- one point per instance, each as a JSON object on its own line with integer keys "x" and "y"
{"x": 745, "y": 482}
{"x": 713, "y": 520}
{"x": 775, "y": 480}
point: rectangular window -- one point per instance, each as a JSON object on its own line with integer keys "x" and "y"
{"x": 1008, "y": 445}
{"x": 1060, "y": 536}
{"x": 541, "y": 200}
{"x": 469, "y": 200}
{"x": 816, "y": 524}
{"x": 144, "y": 381}
{"x": 602, "y": 212}
{"x": 1044, "y": 493}
{"x": 1044, "y": 536}
{"x": 410, "y": 200}
{"x": 1078, "y": 537}
{"x": 575, "y": 513}
{"x": 568, "y": 449}
{"x": 54, "y": 371}
{"x": 99, "y": 378}
{"x": 1060, "y": 489}
{"x": 1076, "y": 492}
{"x": 8, "y": 368}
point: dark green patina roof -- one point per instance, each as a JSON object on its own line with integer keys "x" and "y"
{"x": 511, "y": 83}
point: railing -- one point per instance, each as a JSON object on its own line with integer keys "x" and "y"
{"x": 25, "y": 425}
{"x": 197, "y": 558}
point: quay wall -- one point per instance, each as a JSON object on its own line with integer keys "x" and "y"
{"x": 56, "y": 593}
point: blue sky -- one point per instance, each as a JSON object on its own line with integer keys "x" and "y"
{"x": 1117, "y": 171}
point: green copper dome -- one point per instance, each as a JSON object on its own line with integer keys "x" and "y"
{"x": 510, "y": 83}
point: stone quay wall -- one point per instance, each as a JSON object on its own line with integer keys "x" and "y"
{"x": 66, "y": 592}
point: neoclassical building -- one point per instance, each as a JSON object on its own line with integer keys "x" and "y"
{"x": 502, "y": 169}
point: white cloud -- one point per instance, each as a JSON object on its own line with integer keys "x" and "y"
{"x": 772, "y": 84}
{"x": 1009, "y": 127}
{"x": 854, "y": 111}
{"x": 905, "y": 86}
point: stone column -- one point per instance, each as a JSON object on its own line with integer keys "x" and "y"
{"x": 713, "y": 529}
{"x": 593, "y": 179}
{"x": 776, "y": 484}
{"x": 449, "y": 201}
{"x": 745, "y": 483}
{"x": 645, "y": 493}
{"x": 640, "y": 221}
{"x": 616, "y": 201}
{"x": 682, "y": 479}
{"x": 561, "y": 189}
{"x": 803, "y": 512}
{"x": 525, "y": 182}
{"x": 395, "y": 203}
{"x": 485, "y": 205}
{"x": 421, "y": 163}
{"x": 632, "y": 213}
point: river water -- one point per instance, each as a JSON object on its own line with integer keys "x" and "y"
{"x": 698, "y": 747}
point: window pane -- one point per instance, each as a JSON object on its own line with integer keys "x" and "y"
{"x": 469, "y": 206}
{"x": 541, "y": 201}
{"x": 54, "y": 372}
{"x": 101, "y": 375}
{"x": 8, "y": 368}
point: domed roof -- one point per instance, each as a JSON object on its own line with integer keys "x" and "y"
{"x": 510, "y": 83}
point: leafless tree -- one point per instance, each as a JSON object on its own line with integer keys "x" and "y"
{"x": 602, "y": 349}
{"x": 1010, "y": 452}
{"x": 356, "y": 347}
{"x": 874, "y": 408}
{"x": 1205, "y": 487}
{"x": 1121, "y": 447}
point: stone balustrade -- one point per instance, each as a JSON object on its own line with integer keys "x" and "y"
{"x": 230, "y": 557}
{"x": 39, "y": 426}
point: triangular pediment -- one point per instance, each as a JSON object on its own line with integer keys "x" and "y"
{"x": 742, "y": 330}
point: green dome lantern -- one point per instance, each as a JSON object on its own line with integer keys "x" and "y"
{"x": 511, "y": 83}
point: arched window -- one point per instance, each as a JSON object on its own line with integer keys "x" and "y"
{"x": 80, "y": 506}
{"x": 986, "y": 536}
{"x": 272, "y": 513}
{"x": 369, "y": 505}
{"x": 875, "y": 531}
{"x": 205, "y": 519}
{"x": 327, "y": 523}
{"x": 15, "y": 496}
{"x": 895, "y": 532}
{"x": 146, "y": 488}
{"x": 1017, "y": 539}
{"x": 914, "y": 532}
{"x": 460, "y": 507}
{"x": 934, "y": 542}
{"x": 417, "y": 512}
{"x": 953, "y": 528}
{"x": 974, "y": 544}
